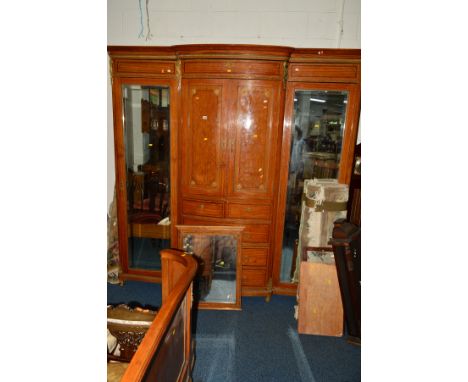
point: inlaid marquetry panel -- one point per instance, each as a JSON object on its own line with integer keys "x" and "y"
{"x": 203, "y": 154}
{"x": 255, "y": 129}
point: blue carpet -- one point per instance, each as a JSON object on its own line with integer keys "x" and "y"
{"x": 258, "y": 344}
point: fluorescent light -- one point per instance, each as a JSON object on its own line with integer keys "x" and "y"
{"x": 318, "y": 100}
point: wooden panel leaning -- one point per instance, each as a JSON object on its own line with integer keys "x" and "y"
{"x": 320, "y": 310}
{"x": 165, "y": 352}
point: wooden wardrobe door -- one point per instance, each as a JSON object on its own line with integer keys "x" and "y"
{"x": 203, "y": 153}
{"x": 254, "y": 126}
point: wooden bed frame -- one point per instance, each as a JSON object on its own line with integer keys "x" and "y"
{"x": 165, "y": 353}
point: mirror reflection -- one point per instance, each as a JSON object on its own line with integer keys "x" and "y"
{"x": 147, "y": 143}
{"x": 217, "y": 256}
{"x": 317, "y": 136}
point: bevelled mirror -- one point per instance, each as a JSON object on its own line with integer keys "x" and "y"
{"x": 218, "y": 252}
{"x": 146, "y": 112}
{"x": 317, "y": 129}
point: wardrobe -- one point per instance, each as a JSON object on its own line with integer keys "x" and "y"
{"x": 229, "y": 115}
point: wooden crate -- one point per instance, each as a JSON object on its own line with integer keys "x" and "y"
{"x": 320, "y": 309}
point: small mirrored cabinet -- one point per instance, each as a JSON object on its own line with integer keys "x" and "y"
{"x": 218, "y": 252}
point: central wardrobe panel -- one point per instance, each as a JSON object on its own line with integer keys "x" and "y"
{"x": 230, "y": 131}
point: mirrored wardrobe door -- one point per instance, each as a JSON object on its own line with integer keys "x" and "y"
{"x": 317, "y": 123}
{"x": 146, "y": 140}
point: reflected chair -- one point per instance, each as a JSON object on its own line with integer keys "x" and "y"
{"x": 148, "y": 205}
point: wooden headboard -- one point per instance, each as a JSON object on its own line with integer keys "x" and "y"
{"x": 165, "y": 353}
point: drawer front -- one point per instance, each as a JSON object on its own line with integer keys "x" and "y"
{"x": 202, "y": 208}
{"x": 255, "y": 233}
{"x": 142, "y": 66}
{"x": 254, "y": 277}
{"x": 254, "y": 256}
{"x": 248, "y": 211}
{"x": 233, "y": 67}
{"x": 321, "y": 72}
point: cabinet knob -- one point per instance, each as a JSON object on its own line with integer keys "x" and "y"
{"x": 248, "y": 209}
{"x": 202, "y": 206}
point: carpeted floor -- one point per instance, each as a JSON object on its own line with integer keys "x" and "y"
{"x": 259, "y": 343}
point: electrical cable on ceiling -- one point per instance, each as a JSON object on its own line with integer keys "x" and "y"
{"x": 141, "y": 20}
{"x": 340, "y": 24}
{"x": 148, "y": 33}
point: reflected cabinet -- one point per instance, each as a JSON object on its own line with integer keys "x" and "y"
{"x": 224, "y": 135}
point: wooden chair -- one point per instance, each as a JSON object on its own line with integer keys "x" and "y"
{"x": 148, "y": 204}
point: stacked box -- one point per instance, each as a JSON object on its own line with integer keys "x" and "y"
{"x": 323, "y": 202}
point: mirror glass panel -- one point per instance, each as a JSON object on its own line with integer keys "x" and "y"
{"x": 216, "y": 279}
{"x": 218, "y": 252}
{"x": 147, "y": 144}
{"x": 317, "y": 136}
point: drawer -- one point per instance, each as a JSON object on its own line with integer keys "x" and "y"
{"x": 255, "y": 233}
{"x": 234, "y": 67}
{"x": 324, "y": 72}
{"x": 202, "y": 208}
{"x": 145, "y": 66}
{"x": 254, "y": 256}
{"x": 248, "y": 211}
{"x": 254, "y": 277}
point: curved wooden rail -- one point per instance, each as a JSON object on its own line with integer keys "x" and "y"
{"x": 178, "y": 271}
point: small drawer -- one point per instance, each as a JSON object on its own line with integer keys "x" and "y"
{"x": 254, "y": 277}
{"x": 254, "y": 256}
{"x": 324, "y": 72}
{"x": 233, "y": 67}
{"x": 202, "y": 208}
{"x": 255, "y": 233}
{"x": 248, "y": 211}
{"x": 145, "y": 66}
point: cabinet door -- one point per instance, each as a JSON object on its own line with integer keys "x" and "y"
{"x": 143, "y": 135}
{"x": 203, "y": 154}
{"x": 321, "y": 122}
{"x": 254, "y": 126}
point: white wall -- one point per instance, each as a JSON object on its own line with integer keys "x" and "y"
{"x": 295, "y": 23}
